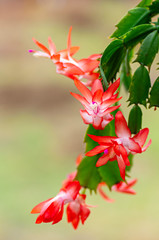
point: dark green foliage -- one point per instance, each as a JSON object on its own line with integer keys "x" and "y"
{"x": 135, "y": 28}
{"x": 135, "y": 119}
{"x": 154, "y": 94}
{"x": 136, "y": 34}
{"x": 154, "y": 8}
{"x": 125, "y": 72}
{"x": 88, "y": 174}
{"x": 134, "y": 17}
{"x": 110, "y": 173}
{"x": 139, "y": 86}
{"x": 111, "y": 60}
{"x": 148, "y": 49}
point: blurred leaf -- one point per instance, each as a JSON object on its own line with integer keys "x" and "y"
{"x": 154, "y": 94}
{"x": 154, "y": 8}
{"x": 110, "y": 173}
{"x": 136, "y": 34}
{"x": 112, "y": 59}
{"x": 125, "y": 72}
{"x": 134, "y": 17}
{"x": 148, "y": 49}
{"x": 135, "y": 119}
{"x": 87, "y": 172}
{"x": 139, "y": 86}
{"x": 144, "y": 3}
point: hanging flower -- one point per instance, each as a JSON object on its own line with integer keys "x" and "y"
{"x": 77, "y": 210}
{"x": 97, "y": 103}
{"x": 122, "y": 187}
{"x": 52, "y": 209}
{"x": 118, "y": 148}
{"x": 66, "y": 64}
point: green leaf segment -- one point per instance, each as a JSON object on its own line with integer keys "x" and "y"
{"x": 136, "y": 28}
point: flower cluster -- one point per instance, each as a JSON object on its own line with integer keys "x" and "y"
{"x": 99, "y": 110}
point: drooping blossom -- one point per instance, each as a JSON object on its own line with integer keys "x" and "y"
{"x": 77, "y": 210}
{"x": 118, "y": 148}
{"x": 97, "y": 103}
{"x": 52, "y": 209}
{"x": 51, "y": 52}
{"x": 125, "y": 187}
{"x": 66, "y": 64}
{"x": 122, "y": 187}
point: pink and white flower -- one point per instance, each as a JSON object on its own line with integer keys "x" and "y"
{"x": 97, "y": 103}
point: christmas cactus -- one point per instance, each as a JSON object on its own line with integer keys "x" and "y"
{"x": 111, "y": 141}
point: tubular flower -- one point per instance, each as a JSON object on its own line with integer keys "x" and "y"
{"x": 97, "y": 103}
{"x": 118, "y": 148}
{"x": 65, "y": 64}
{"x": 77, "y": 210}
{"x": 52, "y": 209}
{"x": 51, "y": 51}
{"x": 121, "y": 187}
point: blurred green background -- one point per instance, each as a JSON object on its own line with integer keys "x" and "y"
{"x": 41, "y": 131}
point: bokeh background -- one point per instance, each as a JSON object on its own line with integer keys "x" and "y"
{"x": 41, "y": 131}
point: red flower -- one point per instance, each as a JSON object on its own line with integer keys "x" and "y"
{"x": 121, "y": 187}
{"x": 51, "y": 51}
{"x": 118, "y": 148}
{"x": 97, "y": 103}
{"x": 52, "y": 209}
{"x": 68, "y": 66}
{"x": 77, "y": 210}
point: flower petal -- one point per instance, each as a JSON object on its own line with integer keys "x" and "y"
{"x": 52, "y": 46}
{"x": 97, "y": 85}
{"x": 120, "y": 150}
{"x": 122, "y": 166}
{"x": 105, "y": 140}
{"x": 121, "y": 127}
{"x": 69, "y": 41}
{"x": 111, "y": 109}
{"x": 84, "y": 90}
{"x": 97, "y": 97}
{"x": 38, "y": 208}
{"x": 81, "y": 99}
{"x": 141, "y": 136}
{"x": 40, "y": 45}
{"x": 109, "y": 102}
{"x": 132, "y": 146}
{"x": 88, "y": 65}
{"x": 87, "y": 119}
{"x": 96, "y": 150}
{"x": 112, "y": 88}
{"x": 102, "y": 193}
{"x": 147, "y": 145}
